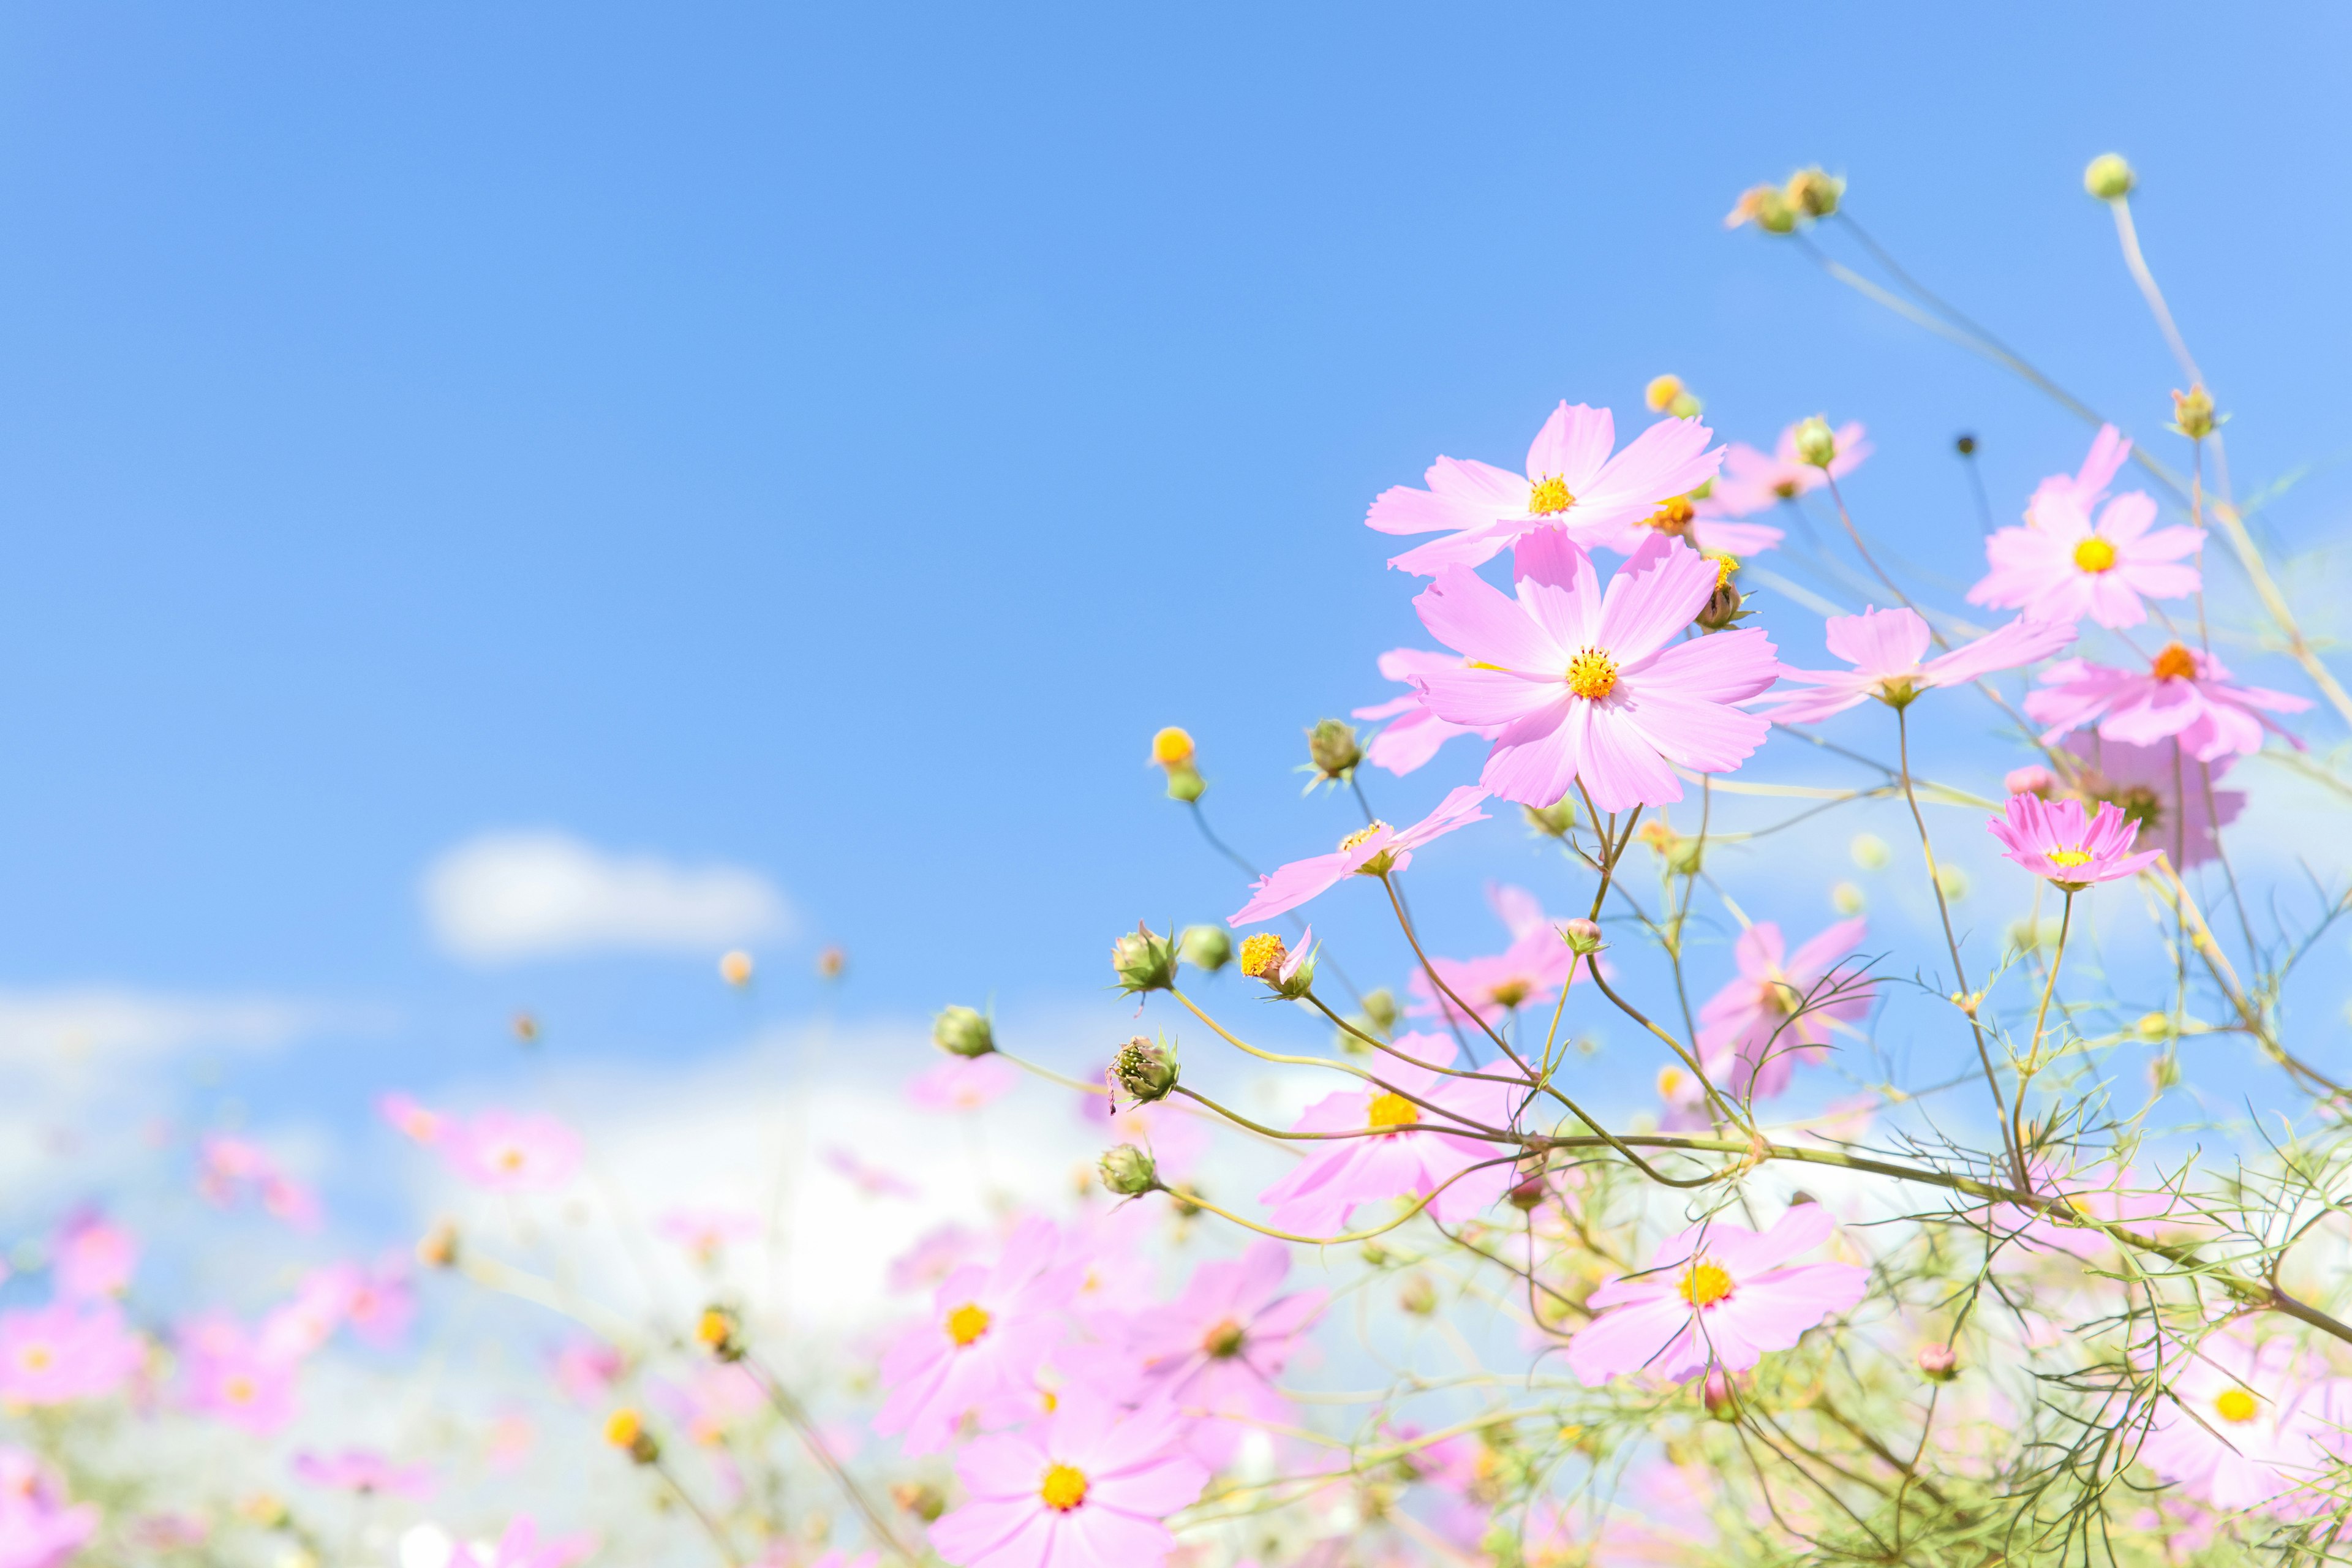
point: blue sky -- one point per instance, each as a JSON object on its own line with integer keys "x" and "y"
{"x": 829, "y": 441}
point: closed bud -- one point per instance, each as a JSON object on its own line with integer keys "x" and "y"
{"x": 438, "y": 1248}
{"x": 2154, "y": 1026}
{"x": 1144, "y": 961}
{"x": 1815, "y": 193}
{"x": 719, "y": 1331}
{"x": 1938, "y": 1363}
{"x": 1331, "y": 749}
{"x": 2163, "y": 1073}
{"x": 1721, "y": 610}
{"x": 1186, "y": 785}
{"x": 1765, "y": 208}
{"x": 963, "y": 1032}
{"x": 1127, "y": 1170}
{"x": 1967, "y": 1000}
{"x": 1848, "y": 899}
{"x": 1816, "y": 443}
{"x": 1142, "y": 1071}
{"x": 2192, "y": 413}
{"x": 735, "y": 968}
{"x": 1206, "y": 947}
{"x": 1556, "y": 820}
{"x": 1869, "y": 851}
{"x": 831, "y": 962}
{"x": 1583, "y": 935}
{"x": 1966, "y": 446}
{"x": 2033, "y": 780}
{"x": 1417, "y": 1295}
{"x": 1529, "y": 1192}
{"x": 1720, "y": 1395}
{"x": 2109, "y": 178}
{"x": 1380, "y": 1007}
{"x": 526, "y": 1029}
{"x": 920, "y": 1499}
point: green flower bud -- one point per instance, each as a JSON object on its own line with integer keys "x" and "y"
{"x": 963, "y": 1032}
{"x": 2109, "y": 178}
{"x": 1142, "y": 1072}
{"x": 1554, "y": 821}
{"x": 1206, "y": 947}
{"x": 1144, "y": 960}
{"x": 1417, "y": 1295}
{"x": 1816, "y": 442}
{"x": 1186, "y": 785}
{"x": 1583, "y": 935}
{"x": 1765, "y": 208}
{"x": 2193, "y": 411}
{"x": 1331, "y": 749}
{"x": 1129, "y": 1172}
{"x": 1814, "y": 192}
{"x": 1380, "y": 1006}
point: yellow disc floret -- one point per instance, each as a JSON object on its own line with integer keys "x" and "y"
{"x": 1705, "y": 1283}
{"x": 1388, "y": 1110}
{"x": 1550, "y": 495}
{"x": 1261, "y": 955}
{"x": 2070, "y": 858}
{"x": 1063, "y": 1488}
{"x": 2094, "y": 554}
{"x": 967, "y": 1323}
{"x": 1172, "y": 748}
{"x": 1673, "y": 517}
{"x": 2235, "y": 1405}
{"x": 1224, "y": 1341}
{"x": 622, "y": 1427}
{"x": 1660, "y": 393}
{"x": 2175, "y": 663}
{"x": 1592, "y": 675}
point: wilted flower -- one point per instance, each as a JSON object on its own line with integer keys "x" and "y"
{"x": 1142, "y": 1071}
{"x": 2193, "y": 411}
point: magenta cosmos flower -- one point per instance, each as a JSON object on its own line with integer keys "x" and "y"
{"x": 1085, "y": 1487}
{"x": 1528, "y": 974}
{"x": 520, "y": 1547}
{"x": 2182, "y": 695}
{"x": 92, "y": 1259}
{"x": 1755, "y": 1024}
{"x": 66, "y": 1351}
{"x": 1216, "y": 1350}
{"x": 2242, "y": 1427}
{"x": 1886, "y": 648}
{"x": 2176, "y": 801}
{"x": 1371, "y": 851}
{"x": 2055, "y": 838}
{"x": 362, "y": 1470}
{"x": 2063, "y": 566}
{"x": 989, "y": 1330}
{"x": 39, "y": 1528}
{"x": 1718, "y": 1296}
{"x": 1583, "y": 685}
{"x": 515, "y": 1151}
{"x": 1319, "y": 1194}
{"x": 1571, "y": 481}
{"x": 228, "y": 1374}
{"x": 1414, "y": 733}
{"x": 1756, "y": 481}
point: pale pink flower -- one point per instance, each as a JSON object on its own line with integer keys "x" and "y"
{"x": 512, "y": 1437}
{"x": 873, "y": 1181}
{"x": 1716, "y": 1296}
{"x": 2063, "y": 566}
{"x": 39, "y": 1528}
{"x": 1317, "y": 1196}
{"x": 520, "y": 1547}
{"x": 936, "y": 1253}
{"x": 1571, "y": 481}
{"x": 1583, "y": 686}
{"x": 227, "y": 1373}
{"x": 381, "y": 1301}
{"x": 66, "y": 1351}
{"x": 92, "y": 1257}
{"x": 1086, "y": 1487}
{"x": 1756, "y": 481}
{"x": 362, "y": 1470}
{"x": 298, "y": 1328}
{"x": 1778, "y": 1012}
{"x": 2055, "y": 838}
{"x": 1417, "y": 732}
{"x": 413, "y": 1121}
{"x": 1886, "y": 647}
{"x": 515, "y": 1151}
{"x": 963, "y": 1083}
{"x": 2034, "y": 779}
{"x": 1528, "y": 974}
{"x": 2083, "y": 490}
{"x": 988, "y": 1331}
{"x": 2245, "y": 1428}
{"x": 2183, "y": 694}
{"x": 585, "y": 1370}
{"x": 706, "y": 1232}
{"x": 1215, "y": 1350}
{"x": 713, "y": 1402}
{"x": 2174, "y": 800}
{"x": 1110, "y": 1255}
{"x": 230, "y": 1168}
{"x": 1370, "y": 851}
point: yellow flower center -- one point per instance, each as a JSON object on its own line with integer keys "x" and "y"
{"x": 1725, "y": 566}
{"x": 713, "y": 1328}
{"x": 1378, "y": 865}
{"x": 1065, "y": 1487}
{"x": 2094, "y": 554}
{"x": 1592, "y": 675}
{"x": 238, "y": 1390}
{"x": 35, "y": 1357}
{"x": 1550, "y": 495}
{"x": 1261, "y": 955}
{"x": 1172, "y": 748}
{"x": 2070, "y": 858}
{"x": 1509, "y": 994}
{"x": 622, "y": 1427}
{"x": 1360, "y": 836}
{"x": 1786, "y": 490}
{"x": 2235, "y": 1405}
{"x": 510, "y": 1160}
{"x": 1673, "y": 517}
{"x": 967, "y": 1323}
{"x": 1670, "y": 1082}
{"x": 1225, "y": 1341}
{"x": 1705, "y": 1283}
{"x": 2175, "y": 663}
{"x": 1389, "y": 1111}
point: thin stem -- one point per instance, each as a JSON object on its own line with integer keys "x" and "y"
{"x": 717, "y": 1536}
{"x": 793, "y": 1411}
{"x": 2041, "y": 1018}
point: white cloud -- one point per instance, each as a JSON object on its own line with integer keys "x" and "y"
{"x": 95, "y": 1024}
{"x": 504, "y": 897}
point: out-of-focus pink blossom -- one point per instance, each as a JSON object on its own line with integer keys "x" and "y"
{"x": 2175, "y": 799}
{"x": 2183, "y": 695}
{"x": 39, "y": 1528}
{"x": 873, "y": 1181}
{"x": 413, "y": 1121}
{"x": 514, "y": 1152}
{"x": 298, "y": 1328}
{"x": 1107, "y": 1253}
{"x": 1756, "y": 481}
{"x": 1582, "y": 685}
{"x": 362, "y": 1470}
{"x": 93, "y": 1257}
{"x": 1717, "y": 1295}
{"x": 65, "y": 1352}
{"x": 230, "y": 1168}
{"x": 1528, "y": 973}
{"x": 1086, "y": 1487}
{"x": 988, "y": 1331}
{"x": 2055, "y": 838}
{"x": 2243, "y": 1428}
{"x": 1572, "y": 482}
{"x": 1416, "y": 733}
{"x": 227, "y": 1373}
{"x": 1215, "y": 1350}
{"x": 963, "y": 1083}
{"x": 713, "y": 1401}
{"x": 936, "y": 1253}
{"x": 706, "y": 1232}
{"x": 520, "y": 1547}
{"x": 1778, "y": 1012}
{"x": 2032, "y": 779}
{"x": 1369, "y": 851}
{"x": 2063, "y": 566}
{"x": 1317, "y": 1196}
{"x": 512, "y": 1437}
{"x": 585, "y": 1370}
{"x": 1886, "y": 647}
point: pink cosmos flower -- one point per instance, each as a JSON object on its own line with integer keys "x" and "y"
{"x": 228, "y": 1374}
{"x": 988, "y": 1331}
{"x": 1369, "y": 850}
{"x": 2063, "y": 566}
{"x": 1528, "y": 973}
{"x": 362, "y": 1470}
{"x": 2176, "y": 801}
{"x": 963, "y": 1083}
{"x": 2245, "y": 1428}
{"x": 520, "y": 1547}
{"x": 2183, "y": 694}
{"x": 300, "y": 1327}
{"x": 413, "y": 1121}
{"x": 66, "y": 1351}
{"x": 1756, "y": 481}
{"x": 2054, "y": 839}
{"x": 380, "y": 1302}
{"x": 713, "y": 1402}
{"x": 1085, "y": 1489}
{"x": 1216, "y": 1350}
{"x": 1417, "y": 733}
{"x": 1114, "y": 1269}
{"x": 2032, "y": 779}
{"x": 873, "y": 1181}
{"x": 1754, "y": 1024}
{"x": 39, "y": 1528}
{"x": 585, "y": 1370}
{"x": 515, "y": 1151}
{"x": 2082, "y": 490}
{"x": 1583, "y": 686}
{"x": 936, "y": 1253}
{"x": 706, "y": 1232}
{"x": 1886, "y": 647}
{"x": 230, "y": 1168}
{"x": 92, "y": 1259}
{"x": 1317, "y": 1195}
{"x": 1714, "y": 1298}
{"x": 1571, "y": 481}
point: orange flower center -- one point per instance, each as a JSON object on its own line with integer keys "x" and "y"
{"x": 2235, "y": 1405}
{"x": 2094, "y": 554}
{"x": 1705, "y": 1283}
{"x": 1224, "y": 1341}
{"x": 238, "y": 1389}
{"x": 35, "y": 1357}
{"x": 1592, "y": 675}
{"x": 1550, "y": 495}
{"x": 2175, "y": 663}
{"x": 1509, "y": 994}
{"x": 967, "y": 1323}
{"x": 510, "y": 1160}
{"x": 1064, "y": 1489}
{"x": 1389, "y": 1111}
{"x": 1673, "y": 517}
